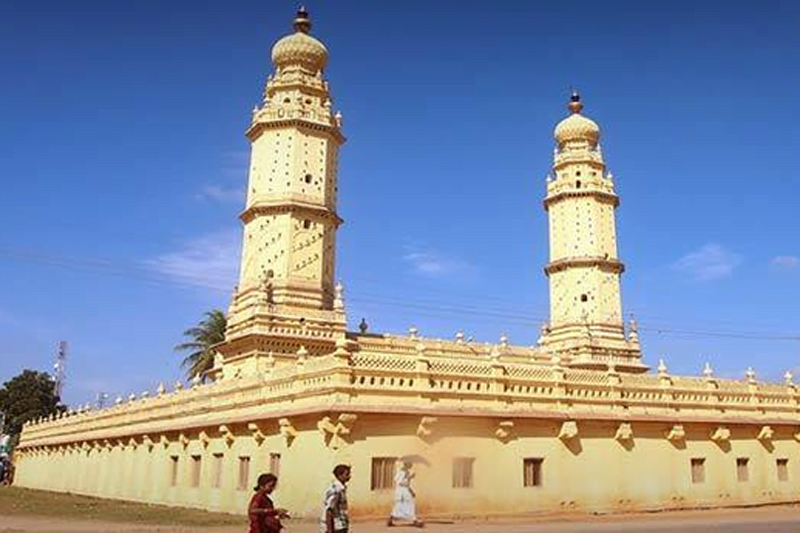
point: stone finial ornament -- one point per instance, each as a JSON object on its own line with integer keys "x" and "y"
{"x": 413, "y": 332}
{"x": 708, "y": 372}
{"x": 258, "y": 435}
{"x": 568, "y": 431}
{"x": 750, "y": 375}
{"x": 788, "y": 378}
{"x": 363, "y": 327}
{"x": 503, "y": 341}
{"x": 721, "y": 434}
{"x": 765, "y": 434}
{"x": 424, "y": 428}
{"x": 287, "y": 430}
{"x": 624, "y": 432}
{"x": 338, "y": 297}
{"x": 505, "y": 430}
{"x": 227, "y": 435}
{"x": 662, "y": 368}
{"x": 676, "y": 433}
{"x": 196, "y": 381}
{"x": 161, "y": 390}
{"x": 459, "y": 337}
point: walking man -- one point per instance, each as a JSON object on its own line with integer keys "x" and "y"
{"x": 334, "y": 517}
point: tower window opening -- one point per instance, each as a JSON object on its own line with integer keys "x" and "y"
{"x": 308, "y": 178}
{"x": 578, "y": 173}
{"x": 584, "y": 298}
{"x": 306, "y": 224}
{"x": 578, "y": 184}
{"x": 286, "y": 101}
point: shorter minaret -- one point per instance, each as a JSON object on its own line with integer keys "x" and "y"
{"x": 586, "y": 327}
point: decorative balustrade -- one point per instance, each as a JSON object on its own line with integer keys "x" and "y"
{"x": 375, "y": 380}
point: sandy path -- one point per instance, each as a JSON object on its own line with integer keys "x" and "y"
{"x": 784, "y": 519}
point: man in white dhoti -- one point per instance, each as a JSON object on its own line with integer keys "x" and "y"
{"x": 404, "y": 506}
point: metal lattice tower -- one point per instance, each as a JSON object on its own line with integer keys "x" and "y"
{"x": 59, "y": 369}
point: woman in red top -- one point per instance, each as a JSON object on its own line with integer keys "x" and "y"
{"x": 264, "y": 518}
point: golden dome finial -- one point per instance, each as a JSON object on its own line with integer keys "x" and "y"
{"x": 575, "y": 104}
{"x": 302, "y": 22}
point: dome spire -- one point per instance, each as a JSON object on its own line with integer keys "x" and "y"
{"x": 302, "y": 22}
{"x": 575, "y": 104}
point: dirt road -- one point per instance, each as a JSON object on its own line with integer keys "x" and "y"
{"x": 760, "y": 520}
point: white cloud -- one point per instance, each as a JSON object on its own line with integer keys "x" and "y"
{"x": 708, "y": 263}
{"x": 432, "y": 263}
{"x": 208, "y": 261}
{"x": 786, "y": 261}
{"x": 221, "y": 194}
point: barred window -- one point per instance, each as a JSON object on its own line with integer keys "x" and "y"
{"x": 173, "y": 470}
{"x": 383, "y": 469}
{"x": 742, "y": 473}
{"x": 783, "y": 469}
{"x": 216, "y": 472}
{"x": 197, "y": 462}
{"x": 275, "y": 464}
{"x": 698, "y": 470}
{"x": 462, "y": 472}
{"x": 532, "y": 472}
{"x": 244, "y": 473}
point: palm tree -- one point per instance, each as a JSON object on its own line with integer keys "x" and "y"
{"x": 210, "y": 331}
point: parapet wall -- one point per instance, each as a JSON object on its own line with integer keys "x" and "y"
{"x": 203, "y": 446}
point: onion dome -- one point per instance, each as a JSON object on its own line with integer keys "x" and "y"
{"x": 576, "y": 127}
{"x": 300, "y": 48}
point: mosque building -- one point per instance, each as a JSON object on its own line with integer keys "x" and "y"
{"x": 576, "y": 423}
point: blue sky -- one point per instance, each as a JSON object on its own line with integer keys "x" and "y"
{"x": 123, "y": 161}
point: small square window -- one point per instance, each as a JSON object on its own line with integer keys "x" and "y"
{"x": 783, "y": 469}
{"x": 462, "y": 472}
{"x": 742, "y": 473}
{"x": 306, "y": 224}
{"x": 698, "y": 470}
{"x": 383, "y": 470}
{"x": 532, "y": 472}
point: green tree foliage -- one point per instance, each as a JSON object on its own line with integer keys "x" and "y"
{"x": 209, "y": 332}
{"x": 27, "y": 396}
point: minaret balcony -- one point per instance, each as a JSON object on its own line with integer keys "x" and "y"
{"x": 602, "y": 196}
{"x": 604, "y": 263}
{"x": 269, "y": 118}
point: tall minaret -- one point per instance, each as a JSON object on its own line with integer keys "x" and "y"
{"x": 286, "y": 289}
{"x": 586, "y": 326}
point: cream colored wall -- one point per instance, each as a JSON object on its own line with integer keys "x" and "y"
{"x": 593, "y": 472}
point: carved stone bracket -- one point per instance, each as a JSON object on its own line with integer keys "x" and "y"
{"x": 424, "y": 428}
{"x": 334, "y": 433}
{"x": 183, "y": 440}
{"x": 132, "y": 443}
{"x": 721, "y": 434}
{"x": 164, "y": 441}
{"x": 287, "y": 431}
{"x": 568, "y": 431}
{"x": 624, "y": 432}
{"x": 505, "y": 430}
{"x": 204, "y": 439}
{"x": 766, "y": 433}
{"x": 676, "y": 433}
{"x": 147, "y": 441}
{"x": 258, "y": 435}
{"x": 227, "y": 435}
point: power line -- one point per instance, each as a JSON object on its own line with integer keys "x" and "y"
{"x": 424, "y": 306}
